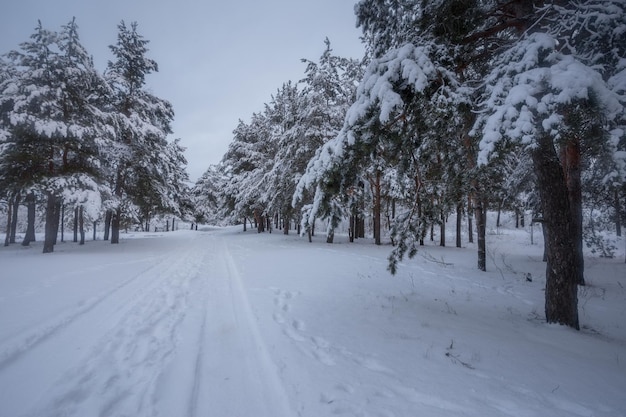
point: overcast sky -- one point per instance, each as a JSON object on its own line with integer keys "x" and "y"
{"x": 219, "y": 61}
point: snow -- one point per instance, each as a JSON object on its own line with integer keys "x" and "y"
{"x": 226, "y": 323}
{"x": 527, "y": 91}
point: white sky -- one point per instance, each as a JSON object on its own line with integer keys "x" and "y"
{"x": 219, "y": 61}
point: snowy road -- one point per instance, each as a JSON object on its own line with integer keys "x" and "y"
{"x": 221, "y": 323}
{"x": 172, "y": 335}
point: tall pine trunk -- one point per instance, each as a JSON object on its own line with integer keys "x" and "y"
{"x": 470, "y": 224}
{"x": 480, "y": 211}
{"x": 50, "y": 227}
{"x": 442, "y": 238}
{"x": 570, "y": 159}
{"x": 81, "y": 224}
{"x": 7, "y": 237}
{"x": 16, "y": 207}
{"x": 30, "y": 222}
{"x": 115, "y": 226}
{"x": 75, "y": 225}
{"x": 107, "y": 224}
{"x": 618, "y": 213}
{"x": 562, "y": 269}
{"x": 287, "y": 220}
{"x": 459, "y": 216}
{"x": 57, "y": 218}
{"x": 377, "y": 208}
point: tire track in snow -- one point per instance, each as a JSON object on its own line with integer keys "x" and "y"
{"x": 14, "y": 349}
{"x": 120, "y": 375}
{"x": 234, "y": 374}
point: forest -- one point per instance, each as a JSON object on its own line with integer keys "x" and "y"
{"x": 458, "y": 107}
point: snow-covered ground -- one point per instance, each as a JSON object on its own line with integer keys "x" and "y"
{"x": 231, "y": 324}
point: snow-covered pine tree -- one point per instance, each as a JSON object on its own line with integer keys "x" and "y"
{"x": 208, "y": 197}
{"x": 143, "y": 122}
{"x": 284, "y": 113}
{"x": 328, "y": 88}
{"x": 546, "y": 91}
{"x": 55, "y": 122}
{"x": 249, "y": 157}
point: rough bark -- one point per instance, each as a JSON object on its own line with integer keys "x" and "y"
{"x": 459, "y": 216}
{"x": 377, "y": 208}
{"x": 562, "y": 269}
{"x": 9, "y": 217}
{"x": 50, "y": 230}
{"x": 16, "y": 207}
{"x": 107, "y": 224}
{"x": 75, "y": 225}
{"x": 62, "y": 221}
{"x": 115, "y": 226}
{"x": 287, "y": 219}
{"x": 57, "y": 218}
{"x": 81, "y": 224}
{"x": 570, "y": 160}
{"x": 618, "y": 212}
{"x": 470, "y": 224}
{"x": 442, "y": 237}
{"x": 480, "y": 211}
{"x": 544, "y": 230}
{"x": 30, "y": 223}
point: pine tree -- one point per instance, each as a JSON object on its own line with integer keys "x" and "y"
{"x": 55, "y": 121}
{"x": 544, "y": 92}
{"x": 143, "y": 121}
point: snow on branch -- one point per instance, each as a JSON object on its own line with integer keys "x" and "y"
{"x": 528, "y": 92}
{"x": 379, "y": 98}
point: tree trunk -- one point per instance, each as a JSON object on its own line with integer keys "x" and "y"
{"x": 618, "y": 214}
{"x": 7, "y": 237}
{"x": 107, "y": 224}
{"x": 516, "y": 217}
{"x": 95, "y": 224}
{"x": 351, "y": 228}
{"x": 287, "y": 218}
{"x": 115, "y": 226}
{"x": 570, "y": 159}
{"x": 81, "y": 224}
{"x": 562, "y": 268}
{"x": 499, "y": 212}
{"x": 50, "y": 231}
{"x": 31, "y": 213}
{"x": 57, "y": 218}
{"x": 459, "y": 216}
{"x": 16, "y": 207}
{"x": 442, "y": 238}
{"x": 62, "y": 221}
{"x": 544, "y": 231}
{"x": 330, "y": 235}
{"x": 75, "y": 224}
{"x": 377, "y": 208}
{"x": 480, "y": 211}
{"x": 470, "y": 225}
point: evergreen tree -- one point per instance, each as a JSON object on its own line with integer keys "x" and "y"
{"x": 544, "y": 93}
{"x": 143, "y": 121}
{"x": 55, "y": 122}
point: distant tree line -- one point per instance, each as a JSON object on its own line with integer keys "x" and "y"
{"x": 459, "y": 106}
{"x": 90, "y": 144}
